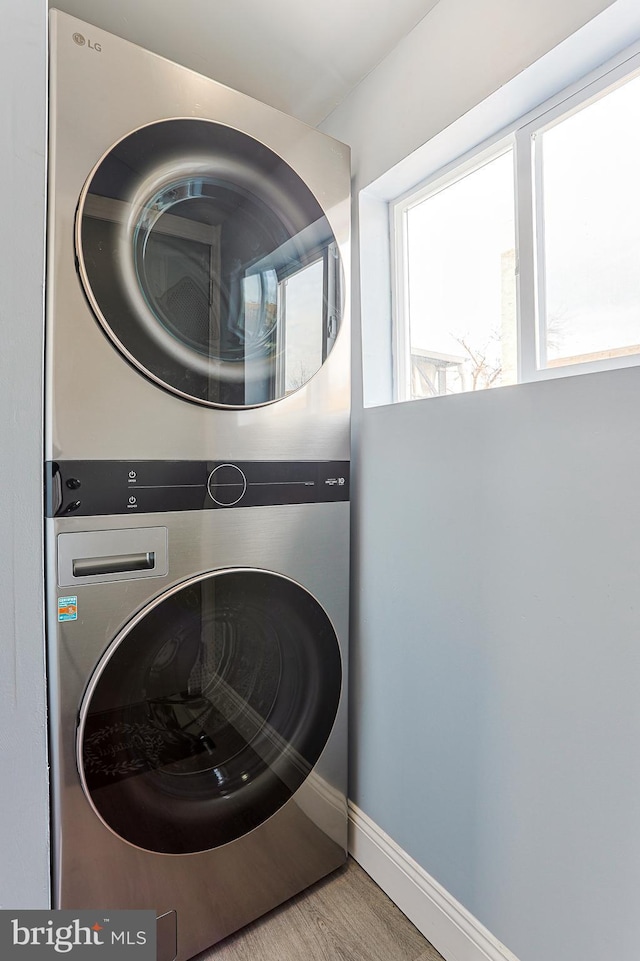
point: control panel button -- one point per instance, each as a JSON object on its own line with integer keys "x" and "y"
{"x": 227, "y": 485}
{"x": 73, "y": 483}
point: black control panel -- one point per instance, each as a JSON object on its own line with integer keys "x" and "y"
{"x": 91, "y": 487}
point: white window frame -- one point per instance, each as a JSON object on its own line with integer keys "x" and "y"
{"x": 529, "y": 235}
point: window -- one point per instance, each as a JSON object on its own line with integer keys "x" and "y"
{"x": 522, "y": 261}
{"x": 460, "y": 289}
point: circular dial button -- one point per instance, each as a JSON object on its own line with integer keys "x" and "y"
{"x": 226, "y": 485}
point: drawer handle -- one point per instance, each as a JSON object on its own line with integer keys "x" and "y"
{"x": 117, "y": 564}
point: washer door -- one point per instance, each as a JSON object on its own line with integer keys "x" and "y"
{"x": 209, "y": 263}
{"x": 208, "y": 711}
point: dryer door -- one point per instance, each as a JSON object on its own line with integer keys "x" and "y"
{"x": 208, "y": 711}
{"x": 209, "y": 263}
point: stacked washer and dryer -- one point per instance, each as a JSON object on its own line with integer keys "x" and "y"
{"x": 197, "y": 493}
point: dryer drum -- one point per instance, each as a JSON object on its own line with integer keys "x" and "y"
{"x": 209, "y": 263}
{"x": 209, "y": 711}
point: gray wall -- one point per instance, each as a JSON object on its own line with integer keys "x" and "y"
{"x": 496, "y": 668}
{"x": 24, "y": 875}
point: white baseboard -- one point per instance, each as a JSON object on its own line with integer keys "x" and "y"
{"x": 444, "y": 922}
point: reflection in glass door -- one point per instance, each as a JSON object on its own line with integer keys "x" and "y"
{"x": 209, "y": 711}
{"x": 187, "y": 233}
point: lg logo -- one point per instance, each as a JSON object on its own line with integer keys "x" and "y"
{"x": 81, "y": 41}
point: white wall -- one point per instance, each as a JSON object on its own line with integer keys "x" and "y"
{"x": 496, "y": 567}
{"x": 459, "y": 54}
{"x": 24, "y": 872}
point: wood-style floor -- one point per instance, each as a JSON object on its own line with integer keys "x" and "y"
{"x": 345, "y": 917}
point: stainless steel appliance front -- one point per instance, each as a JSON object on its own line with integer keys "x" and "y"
{"x": 198, "y": 265}
{"x": 197, "y": 326}
{"x": 199, "y": 715}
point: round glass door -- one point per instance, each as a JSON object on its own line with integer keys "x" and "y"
{"x": 208, "y": 711}
{"x": 209, "y": 263}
